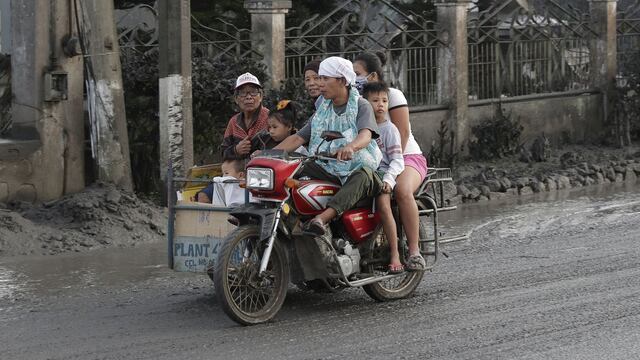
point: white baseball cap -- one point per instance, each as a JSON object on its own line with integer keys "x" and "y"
{"x": 247, "y": 78}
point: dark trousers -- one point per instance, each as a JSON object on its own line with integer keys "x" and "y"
{"x": 360, "y": 184}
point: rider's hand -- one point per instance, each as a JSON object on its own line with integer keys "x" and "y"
{"x": 346, "y": 152}
{"x": 386, "y": 188}
{"x": 244, "y": 146}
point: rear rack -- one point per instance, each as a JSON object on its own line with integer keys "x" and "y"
{"x": 433, "y": 187}
{"x": 431, "y": 196}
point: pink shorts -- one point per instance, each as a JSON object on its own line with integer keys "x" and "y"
{"x": 418, "y": 162}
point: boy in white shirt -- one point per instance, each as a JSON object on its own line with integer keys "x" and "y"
{"x": 390, "y": 167}
{"x": 224, "y": 190}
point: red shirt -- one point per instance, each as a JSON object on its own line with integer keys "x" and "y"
{"x": 237, "y": 131}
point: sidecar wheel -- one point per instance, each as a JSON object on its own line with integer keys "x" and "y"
{"x": 246, "y": 297}
{"x": 399, "y": 287}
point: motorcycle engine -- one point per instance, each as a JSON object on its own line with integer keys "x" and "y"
{"x": 349, "y": 260}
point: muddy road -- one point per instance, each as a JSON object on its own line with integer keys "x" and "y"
{"x": 539, "y": 278}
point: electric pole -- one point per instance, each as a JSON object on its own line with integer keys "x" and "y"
{"x": 176, "y": 128}
{"x": 105, "y": 96}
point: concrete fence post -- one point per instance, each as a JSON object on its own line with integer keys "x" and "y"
{"x": 453, "y": 79}
{"x": 603, "y": 49}
{"x": 176, "y": 124}
{"x": 603, "y": 44}
{"x": 267, "y": 34}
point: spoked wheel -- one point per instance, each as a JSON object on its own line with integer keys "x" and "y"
{"x": 245, "y": 296}
{"x": 398, "y": 287}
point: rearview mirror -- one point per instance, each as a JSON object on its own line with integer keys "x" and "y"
{"x": 328, "y": 135}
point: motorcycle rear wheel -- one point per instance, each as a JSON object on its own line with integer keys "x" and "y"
{"x": 246, "y": 297}
{"x": 399, "y": 287}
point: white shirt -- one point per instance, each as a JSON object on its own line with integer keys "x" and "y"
{"x": 392, "y": 163}
{"x": 396, "y": 100}
{"x": 227, "y": 194}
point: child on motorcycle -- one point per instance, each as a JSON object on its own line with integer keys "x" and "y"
{"x": 281, "y": 124}
{"x": 221, "y": 193}
{"x": 390, "y": 167}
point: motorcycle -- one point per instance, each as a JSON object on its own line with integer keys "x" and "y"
{"x": 268, "y": 249}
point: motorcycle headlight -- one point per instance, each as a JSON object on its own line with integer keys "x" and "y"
{"x": 259, "y": 179}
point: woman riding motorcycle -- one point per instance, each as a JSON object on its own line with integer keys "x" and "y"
{"x": 340, "y": 109}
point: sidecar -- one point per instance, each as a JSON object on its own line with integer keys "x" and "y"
{"x": 195, "y": 230}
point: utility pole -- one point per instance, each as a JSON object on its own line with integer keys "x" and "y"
{"x": 109, "y": 138}
{"x": 176, "y": 127}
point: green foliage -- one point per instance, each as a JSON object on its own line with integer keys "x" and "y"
{"x": 627, "y": 105}
{"x": 207, "y": 12}
{"x": 496, "y": 137}
{"x": 6, "y": 97}
{"x": 140, "y": 81}
{"x": 213, "y": 106}
{"x": 442, "y": 153}
{"x": 424, "y": 8}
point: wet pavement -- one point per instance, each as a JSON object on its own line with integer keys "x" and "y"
{"x": 549, "y": 276}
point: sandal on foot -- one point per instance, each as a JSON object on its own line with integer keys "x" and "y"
{"x": 416, "y": 263}
{"x": 395, "y": 269}
{"x": 314, "y": 227}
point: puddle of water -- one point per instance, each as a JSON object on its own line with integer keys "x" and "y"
{"x": 528, "y": 214}
{"x": 49, "y": 275}
{"x": 36, "y": 276}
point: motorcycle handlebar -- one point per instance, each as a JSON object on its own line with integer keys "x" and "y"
{"x": 326, "y": 156}
{"x": 323, "y": 156}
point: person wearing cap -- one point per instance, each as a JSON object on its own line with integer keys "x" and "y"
{"x": 250, "y": 121}
{"x": 340, "y": 109}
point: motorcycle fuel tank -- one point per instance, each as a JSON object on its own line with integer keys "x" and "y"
{"x": 311, "y": 197}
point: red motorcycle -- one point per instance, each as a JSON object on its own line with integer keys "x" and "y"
{"x": 268, "y": 249}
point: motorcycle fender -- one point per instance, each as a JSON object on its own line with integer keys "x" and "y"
{"x": 254, "y": 214}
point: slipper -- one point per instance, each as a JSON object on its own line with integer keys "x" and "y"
{"x": 395, "y": 269}
{"x": 314, "y": 227}
{"x": 416, "y": 263}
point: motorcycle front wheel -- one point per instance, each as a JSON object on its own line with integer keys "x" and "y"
{"x": 246, "y": 296}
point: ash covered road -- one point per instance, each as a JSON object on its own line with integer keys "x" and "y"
{"x": 558, "y": 279}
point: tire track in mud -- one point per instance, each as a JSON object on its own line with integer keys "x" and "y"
{"x": 517, "y": 289}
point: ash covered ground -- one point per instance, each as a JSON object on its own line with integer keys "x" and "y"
{"x": 101, "y": 216}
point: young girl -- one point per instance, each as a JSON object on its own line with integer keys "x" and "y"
{"x": 281, "y": 124}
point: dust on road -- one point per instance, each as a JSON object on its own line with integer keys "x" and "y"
{"x": 543, "y": 280}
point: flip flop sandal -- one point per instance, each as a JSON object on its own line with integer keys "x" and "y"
{"x": 395, "y": 269}
{"x": 314, "y": 227}
{"x": 416, "y": 263}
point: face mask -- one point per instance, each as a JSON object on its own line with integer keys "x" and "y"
{"x": 361, "y": 81}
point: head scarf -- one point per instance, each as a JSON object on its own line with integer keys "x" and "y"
{"x": 338, "y": 67}
{"x": 313, "y": 65}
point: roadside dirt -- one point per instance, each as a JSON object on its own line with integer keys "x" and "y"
{"x": 101, "y": 216}
{"x": 565, "y": 168}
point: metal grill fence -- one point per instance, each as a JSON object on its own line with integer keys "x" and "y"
{"x": 508, "y": 55}
{"x": 409, "y": 42}
{"x": 222, "y": 41}
{"x": 628, "y": 44}
{"x": 527, "y": 53}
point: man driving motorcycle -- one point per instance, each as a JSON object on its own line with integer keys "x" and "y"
{"x": 341, "y": 109}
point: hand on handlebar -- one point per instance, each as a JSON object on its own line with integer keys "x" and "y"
{"x": 345, "y": 153}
